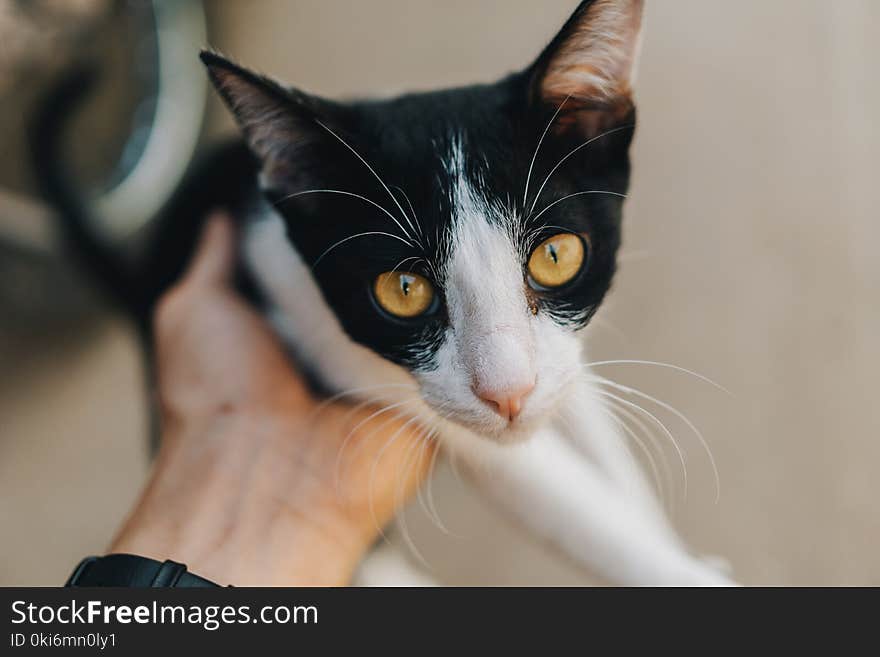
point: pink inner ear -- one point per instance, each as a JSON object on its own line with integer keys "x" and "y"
{"x": 592, "y": 119}
{"x": 584, "y": 80}
{"x": 595, "y": 60}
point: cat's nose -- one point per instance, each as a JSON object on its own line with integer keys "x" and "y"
{"x": 507, "y": 402}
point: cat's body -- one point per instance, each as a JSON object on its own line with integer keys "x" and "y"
{"x": 435, "y": 254}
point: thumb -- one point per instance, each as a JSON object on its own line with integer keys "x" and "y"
{"x": 214, "y": 259}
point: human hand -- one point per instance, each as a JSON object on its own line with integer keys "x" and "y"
{"x": 256, "y": 481}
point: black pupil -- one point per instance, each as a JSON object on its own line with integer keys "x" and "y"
{"x": 552, "y": 249}
{"x": 404, "y": 285}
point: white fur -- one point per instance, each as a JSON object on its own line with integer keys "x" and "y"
{"x": 545, "y": 484}
{"x": 578, "y": 487}
{"x": 493, "y": 339}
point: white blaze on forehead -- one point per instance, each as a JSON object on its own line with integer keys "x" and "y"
{"x": 494, "y": 345}
{"x": 485, "y": 291}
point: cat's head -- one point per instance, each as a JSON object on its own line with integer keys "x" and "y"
{"x": 464, "y": 234}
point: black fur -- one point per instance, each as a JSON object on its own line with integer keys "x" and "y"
{"x": 404, "y": 139}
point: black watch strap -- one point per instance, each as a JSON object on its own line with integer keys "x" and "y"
{"x": 129, "y": 570}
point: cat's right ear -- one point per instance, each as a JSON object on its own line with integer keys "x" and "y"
{"x": 279, "y": 124}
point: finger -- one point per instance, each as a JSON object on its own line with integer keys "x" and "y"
{"x": 213, "y": 262}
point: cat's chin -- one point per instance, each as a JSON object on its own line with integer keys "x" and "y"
{"x": 513, "y": 433}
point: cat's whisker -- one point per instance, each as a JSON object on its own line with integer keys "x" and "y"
{"x": 305, "y": 192}
{"x": 651, "y": 437}
{"x": 402, "y": 471}
{"x": 538, "y": 148}
{"x": 431, "y": 509}
{"x": 388, "y": 443}
{"x": 538, "y": 229}
{"x": 660, "y": 424}
{"x": 628, "y": 126}
{"x": 351, "y": 237}
{"x": 681, "y": 416}
{"x": 568, "y": 196}
{"x": 390, "y": 440}
{"x": 394, "y": 416}
{"x": 403, "y": 523}
{"x": 338, "y": 474}
{"x": 654, "y": 363}
{"x": 535, "y": 232}
{"x": 371, "y": 169}
{"x": 352, "y": 392}
{"x": 400, "y": 264}
{"x": 609, "y": 409}
{"x": 412, "y": 210}
{"x": 429, "y": 489}
{"x": 353, "y": 432}
{"x": 366, "y": 401}
{"x": 454, "y": 466}
{"x": 437, "y": 422}
{"x": 418, "y": 224}
{"x": 422, "y": 451}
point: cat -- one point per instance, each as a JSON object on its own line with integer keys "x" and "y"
{"x": 439, "y": 253}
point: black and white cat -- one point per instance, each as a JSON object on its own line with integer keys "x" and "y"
{"x": 438, "y": 252}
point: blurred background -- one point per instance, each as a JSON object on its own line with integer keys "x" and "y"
{"x": 750, "y": 256}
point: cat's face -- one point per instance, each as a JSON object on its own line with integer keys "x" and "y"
{"x": 465, "y": 234}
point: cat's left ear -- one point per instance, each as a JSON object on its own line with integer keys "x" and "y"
{"x": 282, "y": 126}
{"x": 589, "y": 66}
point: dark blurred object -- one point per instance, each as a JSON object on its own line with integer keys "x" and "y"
{"x": 35, "y": 284}
{"x": 35, "y": 32}
{"x": 124, "y": 151}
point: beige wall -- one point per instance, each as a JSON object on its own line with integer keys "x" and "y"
{"x": 750, "y": 256}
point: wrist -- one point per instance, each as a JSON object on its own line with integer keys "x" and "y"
{"x": 233, "y": 496}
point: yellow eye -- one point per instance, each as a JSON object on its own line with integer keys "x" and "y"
{"x": 403, "y": 294}
{"x": 557, "y": 260}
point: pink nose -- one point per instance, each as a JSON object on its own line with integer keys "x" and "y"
{"x": 507, "y": 402}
